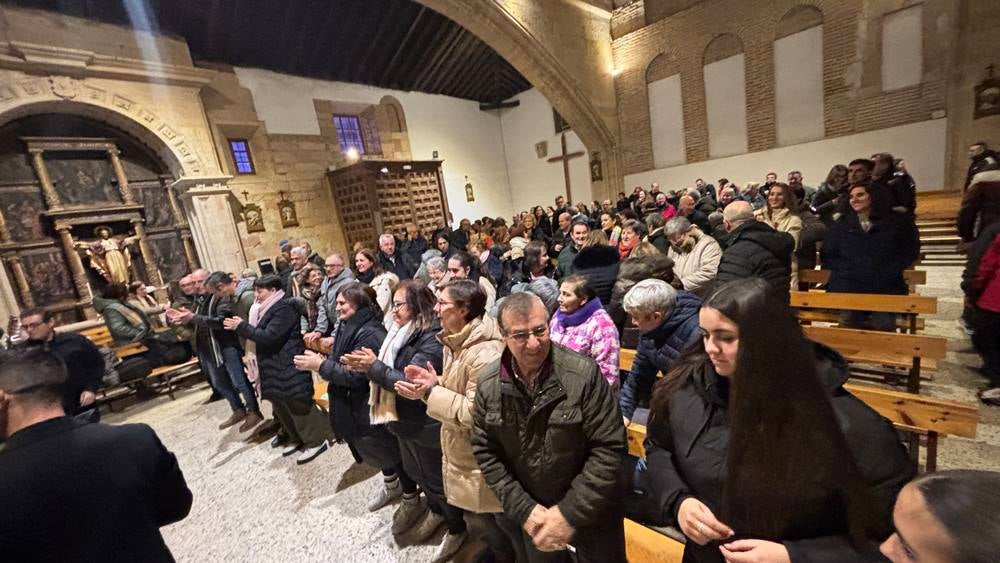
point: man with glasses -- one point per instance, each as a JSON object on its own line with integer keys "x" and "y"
{"x": 549, "y": 438}
{"x": 73, "y": 491}
{"x": 337, "y": 276}
{"x": 83, "y": 360}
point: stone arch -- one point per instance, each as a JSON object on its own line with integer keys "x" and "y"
{"x": 499, "y": 29}
{"x": 721, "y": 47}
{"x": 68, "y": 96}
{"x": 799, "y": 18}
{"x": 397, "y": 118}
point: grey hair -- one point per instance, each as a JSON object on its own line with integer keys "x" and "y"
{"x": 299, "y": 250}
{"x": 547, "y": 289}
{"x": 429, "y": 255}
{"x": 248, "y": 273}
{"x": 677, "y": 225}
{"x": 654, "y": 220}
{"x": 520, "y": 305}
{"x": 650, "y": 296}
{"x": 385, "y": 236}
{"x": 437, "y": 263}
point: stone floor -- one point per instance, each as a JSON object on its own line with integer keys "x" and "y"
{"x": 250, "y": 504}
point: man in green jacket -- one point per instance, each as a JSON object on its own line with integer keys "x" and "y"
{"x": 549, "y": 438}
{"x": 578, "y": 233}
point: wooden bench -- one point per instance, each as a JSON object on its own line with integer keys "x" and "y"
{"x": 101, "y": 336}
{"x": 907, "y": 306}
{"x": 908, "y": 351}
{"x": 645, "y": 545}
{"x": 914, "y": 278}
{"x": 915, "y": 416}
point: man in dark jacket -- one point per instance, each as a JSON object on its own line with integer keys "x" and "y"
{"x": 599, "y": 263}
{"x": 686, "y": 208}
{"x": 549, "y": 438}
{"x": 578, "y": 237}
{"x": 668, "y": 321}
{"x": 561, "y": 236}
{"x": 392, "y": 261}
{"x": 754, "y": 249}
{"x": 981, "y": 204}
{"x": 84, "y": 362}
{"x": 312, "y": 256}
{"x": 656, "y": 237}
{"x": 982, "y": 159}
{"x": 415, "y": 244}
{"x": 70, "y": 490}
{"x": 460, "y": 237}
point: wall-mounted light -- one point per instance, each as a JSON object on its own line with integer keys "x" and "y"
{"x": 407, "y": 167}
{"x": 615, "y": 72}
{"x": 384, "y": 170}
{"x": 352, "y": 154}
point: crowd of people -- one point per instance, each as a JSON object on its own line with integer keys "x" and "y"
{"x": 478, "y": 370}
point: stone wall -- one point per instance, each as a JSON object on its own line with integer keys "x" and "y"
{"x": 677, "y": 35}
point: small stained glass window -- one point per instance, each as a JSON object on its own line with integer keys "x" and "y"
{"x": 349, "y": 133}
{"x": 241, "y": 156}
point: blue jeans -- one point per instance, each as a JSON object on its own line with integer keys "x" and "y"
{"x": 232, "y": 358}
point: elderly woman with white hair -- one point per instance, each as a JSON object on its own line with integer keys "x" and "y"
{"x": 437, "y": 271}
{"x": 668, "y": 322}
{"x": 696, "y": 255}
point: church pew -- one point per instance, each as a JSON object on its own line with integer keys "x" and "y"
{"x": 913, "y": 278}
{"x": 645, "y": 545}
{"x": 908, "y": 351}
{"x": 915, "y": 416}
{"x": 908, "y": 306}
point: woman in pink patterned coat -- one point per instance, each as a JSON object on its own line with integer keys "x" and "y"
{"x": 582, "y": 325}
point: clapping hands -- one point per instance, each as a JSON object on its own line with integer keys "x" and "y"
{"x": 419, "y": 382}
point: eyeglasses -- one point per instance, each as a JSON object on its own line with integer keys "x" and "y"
{"x": 397, "y": 305}
{"x": 537, "y": 332}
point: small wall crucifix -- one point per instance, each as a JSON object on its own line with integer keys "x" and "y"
{"x": 565, "y": 158}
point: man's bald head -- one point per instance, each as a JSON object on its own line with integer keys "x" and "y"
{"x": 686, "y": 205}
{"x": 737, "y": 213}
{"x": 198, "y": 278}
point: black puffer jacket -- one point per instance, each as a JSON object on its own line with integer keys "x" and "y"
{"x": 686, "y": 457}
{"x": 279, "y": 340}
{"x": 631, "y": 272}
{"x": 756, "y": 250}
{"x": 599, "y": 264}
{"x": 348, "y": 389}
{"x": 873, "y": 261}
{"x": 422, "y": 347}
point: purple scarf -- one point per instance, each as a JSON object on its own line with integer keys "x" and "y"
{"x": 579, "y": 316}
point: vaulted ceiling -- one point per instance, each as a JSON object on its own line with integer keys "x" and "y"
{"x": 395, "y": 44}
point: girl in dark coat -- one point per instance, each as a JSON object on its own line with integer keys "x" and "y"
{"x": 754, "y": 448}
{"x": 866, "y": 251}
{"x": 273, "y": 339}
{"x": 412, "y": 341}
{"x": 599, "y": 263}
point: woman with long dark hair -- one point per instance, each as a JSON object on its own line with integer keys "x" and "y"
{"x": 371, "y": 273}
{"x": 756, "y": 450}
{"x": 866, "y": 251}
{"x": 542, "y": 220}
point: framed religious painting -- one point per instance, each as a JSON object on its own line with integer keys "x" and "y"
{"x": 286, "y": 209}
{"x": 987, "y": 96}
{"x": 254, "y": 217}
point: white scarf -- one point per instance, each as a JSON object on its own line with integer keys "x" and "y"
{"x": 382, "y": 402}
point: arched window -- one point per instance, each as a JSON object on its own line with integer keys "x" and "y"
{"x": 798, "y": 76}
{"x": 666, "y": 111}
{"x": 725, "y": 96}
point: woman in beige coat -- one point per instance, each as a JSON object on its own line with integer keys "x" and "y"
{"x": 782, "y": 214}
{"x": 471, "y": 342}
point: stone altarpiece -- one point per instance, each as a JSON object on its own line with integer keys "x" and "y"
{"x": 80, "y": 187}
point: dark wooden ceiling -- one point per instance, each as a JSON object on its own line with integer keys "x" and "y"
{"x": 395, "y": 44}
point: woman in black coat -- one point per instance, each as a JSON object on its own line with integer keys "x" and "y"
{"x": 412, "y": 342}
{"x": 599, "y": 263}
{"x": 273, "y": 339}
{"x": 866, "y": 251}
{"x": 755, "y": 447}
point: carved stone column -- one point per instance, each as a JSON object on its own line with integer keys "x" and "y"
{"x": 21, "y": 279}
{"x": 75, "y": 263}
{"x": 48, "y": 189}
{"x": 213, "y": 225}
{"x": 189, "y": 251}
{"x": 175, "y": 206}
{"x": 116, "y": 164}
{"x": 148, "y": 258}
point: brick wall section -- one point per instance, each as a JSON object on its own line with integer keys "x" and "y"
{"x": 853, "y": 99}
{"x": 627, "y": 19}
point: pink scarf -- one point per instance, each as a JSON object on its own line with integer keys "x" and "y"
{"x": 257, "y": 311}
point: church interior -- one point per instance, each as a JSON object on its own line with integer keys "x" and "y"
{"x": 143, "y": 140}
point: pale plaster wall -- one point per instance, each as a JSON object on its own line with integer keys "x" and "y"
{"x": 798, "y": 93}
{"x": 922, "y": 145}
{"x": 467, "y": 140}
{"x": 533, "y": 180}
{"x": 726, "y": 106}
{"x": 666, "y": 121}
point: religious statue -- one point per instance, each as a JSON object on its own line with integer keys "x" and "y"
{"x": 109, "y": 256}
{"x": 286, "y": 208}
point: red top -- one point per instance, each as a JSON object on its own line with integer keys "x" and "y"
{"x": 987, "y": 279}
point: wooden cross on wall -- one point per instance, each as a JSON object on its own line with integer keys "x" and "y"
{"x": 565, "y": 158}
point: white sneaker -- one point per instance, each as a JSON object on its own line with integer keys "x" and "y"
{"x": 290, "y": 449}
{"x": 408, "y": 513}
{"x": 449, "y": 547}
{"x": 311, "y": 453}
{"x": 386, "y": 496}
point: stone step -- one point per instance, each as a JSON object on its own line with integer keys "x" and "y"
{"x": 938, "y": 231}
{"x": 935, "y": 222}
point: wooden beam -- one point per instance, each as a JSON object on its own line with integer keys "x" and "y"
{"x": 441, "y": 54}
{"x": 414, "y": 25}
{"x": 465, "y": 72}
{"x": 473, "y": 81}
{"x": 900, "y": 304}
{"x": 385, "y": 26}
{"x": 454, "y": 59}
